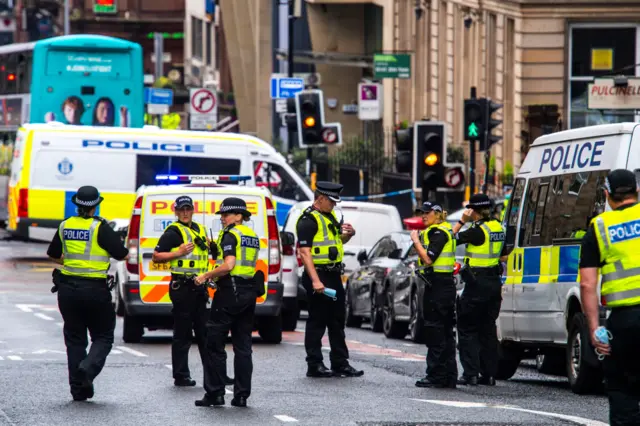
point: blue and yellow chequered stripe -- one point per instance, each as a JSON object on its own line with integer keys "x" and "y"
{"x": 544, "y": 265}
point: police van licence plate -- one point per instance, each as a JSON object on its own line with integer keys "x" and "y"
{"x": 159, "y": 266}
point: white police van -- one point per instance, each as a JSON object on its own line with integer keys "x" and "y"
{"x": 557, "y": 192}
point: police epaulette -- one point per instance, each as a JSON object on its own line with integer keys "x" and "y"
{"x": 101, "y": 219}
{"x": 308, "y": 211}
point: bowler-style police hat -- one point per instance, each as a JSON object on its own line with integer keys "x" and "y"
{"x": 234, "y": 205}
{"x": 330, "y": 190}
{"x": 479, "y": 202}
{"x": 87, "y": 196}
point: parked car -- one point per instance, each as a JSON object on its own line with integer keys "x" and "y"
{"x": 121, "y": 226}
{"x": 370, "y": 220}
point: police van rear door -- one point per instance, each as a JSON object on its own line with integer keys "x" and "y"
{"x": 157, "y": 213}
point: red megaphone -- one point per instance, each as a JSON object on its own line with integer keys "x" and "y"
{"x": 456, "y": 268}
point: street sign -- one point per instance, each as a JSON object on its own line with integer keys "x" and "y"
{"x": 282, "y": 88}
{"x": 392, "y": 66}
{"x": 329, "y": 136}
{"x": 281, "y": 106}
{"x": 203, "y": 113}
{"x": 158, "y": 96}
{"x": 370, "y": 106}
{"x": 157, "y": 109}
{"x": 453, "y": 177}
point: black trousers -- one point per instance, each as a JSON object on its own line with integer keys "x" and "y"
{"x": 621, "y": 368}
{"x": 439, "y": 317}
{"x": 189, "y": 314}
{"x": 85, "y": 305}
{"x": 478, "y": 311}
{"x": 326, "y": 314}
{"x": 235, "y": 315}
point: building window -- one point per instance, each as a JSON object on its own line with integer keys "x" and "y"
{"x": 209, "y": 46}
{"x": 196, "y": 37}
{"x": 596, "y": 51}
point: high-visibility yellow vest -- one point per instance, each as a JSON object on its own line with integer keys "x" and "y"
{"x": 83, "y": 256}
{"x": 247, "y": 250}
{"x": 618, "y": 235}
{"x": 169, "y": 121}
{"x": 505, "y": 204}
{"x": 195, "y": 262}
{"x": 487, "y": 254}
{"x": 445, "y": 262}
{"x": 325, "y": 238}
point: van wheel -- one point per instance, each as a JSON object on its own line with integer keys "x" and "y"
{"x": 290, "y": 319}
{"x": 390, "y": 327}
{"x": 416, "y": 321}
{"x": 551, "y": 362}
{"x": 270, "y": 329}
{"x": 352, "y": 320}
{"x": 583, "y": 377}
{"x": 509, "y": 357}
{"x": 132, "y": 329}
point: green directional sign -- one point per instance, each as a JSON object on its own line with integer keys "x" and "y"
{"x": 392, "y": 66}
{"x": 472, "y": 130}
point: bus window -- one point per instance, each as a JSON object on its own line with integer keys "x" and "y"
{"x": 513, "y": 213}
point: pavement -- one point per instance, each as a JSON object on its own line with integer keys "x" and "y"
{"x": 136, "y": 386}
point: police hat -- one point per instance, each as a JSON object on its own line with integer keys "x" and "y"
{"x": 621, "y": 181}
{"x": 329, "y": 189}
{"x": 428, "y": 206}
{"x": 183, "y": 201}
{"x": 479, "y": 201}
{"x": 87, "y": 196}
{"x": 234, "y": 205}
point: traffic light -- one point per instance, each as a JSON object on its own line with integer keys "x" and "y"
{"x": 429, "y": 155}
{"x": 404, "y": 150}
{"x": 291, "y": 117}
{"x": 491, "y": 123}
{"x": 310, "y": 108}
{"x": 474, "y": 117}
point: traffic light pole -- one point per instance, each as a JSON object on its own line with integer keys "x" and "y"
{"x": 472, "y": 157}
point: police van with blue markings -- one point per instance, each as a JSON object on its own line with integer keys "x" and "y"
{"x": 557, "y": 192}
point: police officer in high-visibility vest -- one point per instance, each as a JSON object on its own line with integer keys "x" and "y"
{"x": 321, "y": 237}
{"x": 233, "y": 308}
{"x": 508, "y": 189}
{"x": 481, "y": 298}
{"x": 83, "y": 245}
{"x": 611, "y": 248}
{"x": 185, "y": 245}
{"x": 436, "y": 248}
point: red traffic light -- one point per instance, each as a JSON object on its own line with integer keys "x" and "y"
{"x": 11, "y": 77}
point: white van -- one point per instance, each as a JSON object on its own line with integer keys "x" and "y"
{"x": 52, "y": 160}
{"x": 558, "y": 191}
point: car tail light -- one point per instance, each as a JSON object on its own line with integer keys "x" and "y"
{"x": 298, "y": 257}
{"x": 456, "y": 268}
{"x": 133, "y": 237}
{"x": 23, "y": 202}
{"x": 274, "y": 239}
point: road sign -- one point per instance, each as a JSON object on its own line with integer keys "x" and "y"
{"x": 329, "y": 136}
{"x": 281, "y": 106}
{"x": 203, "y": 114}
{"x": 453, "y": 177}
{"x": 157, "y": 109}
{"x": 158, "y": 96}
{"x": 282, "y": 88}
{"x": 392, "y": 66}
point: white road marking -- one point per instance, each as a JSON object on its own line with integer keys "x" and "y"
{"x": 411, "y": 345}
{"x": 131, "y": 351}
{"x": 408, "y": 359}
{"x": 116, "y": 352}
{"x": 354, "y": 341}
{"x": 394, "y": 350}
{"x": 169, "y": 366}
{"x": 45, "y": 351}
{"x": 14, "y": 358}
{"x": 462, "y": 404}
{"x": 26, "y": 308}
{"x": 285, "y": 418}
{"x": 43, "y": 316}
{"x": 300, "y": 330}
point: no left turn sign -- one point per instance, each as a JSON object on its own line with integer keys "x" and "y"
{"x": 453, "y": 177}
{"x": 329, "y": 136}
{"x": 203, "y": 101}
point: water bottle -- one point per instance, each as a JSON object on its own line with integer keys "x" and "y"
{"x": 329, "y": 292}
{"x": 603, "y": 336}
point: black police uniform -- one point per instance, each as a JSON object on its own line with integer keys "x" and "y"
{"x": 438, "y": 311}
{"x": 232, "y": 309}
{"x": 85, "y": 304}
{"x": 621, "y": 367}
{"x": 325, "y": 313}
{"x": 478, "y": 310}
{"x": 189, "y": 306}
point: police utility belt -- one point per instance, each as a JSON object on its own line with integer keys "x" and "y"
{"x": 58, "y": 279}
{"x": 331, "y": 267}
{"x": 183, "y": 280}
{"x": 469, "y": 274}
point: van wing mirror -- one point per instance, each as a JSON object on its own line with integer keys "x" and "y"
{"x": 288, "y": 239}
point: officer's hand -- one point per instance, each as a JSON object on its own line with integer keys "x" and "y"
{"x": 601, "y": 348}
{"x": 415, "y": 236}
{"x": 200, "y": 279}
{"x": 347, "y": 229}
{"x": 466, "y": 215}
{"x": 318, "y": 287}
{"x": 185, "y": 248}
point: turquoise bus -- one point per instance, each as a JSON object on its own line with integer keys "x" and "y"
{"x": 89, "y": 80}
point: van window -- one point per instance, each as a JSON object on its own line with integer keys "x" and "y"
{"x": 149, "y": 166}
{"x": 278, "y": 180}
{"x": 513, "y": 213}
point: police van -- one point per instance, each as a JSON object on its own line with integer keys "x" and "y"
{"x": 557, "y": 192}
{"x": 142, "y": 286}
{"x": 52, "y": 160}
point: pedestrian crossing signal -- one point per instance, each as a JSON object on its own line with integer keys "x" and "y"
{"x": 474, "y": 119}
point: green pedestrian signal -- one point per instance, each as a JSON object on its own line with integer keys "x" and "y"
{"x": 472, "y": 130}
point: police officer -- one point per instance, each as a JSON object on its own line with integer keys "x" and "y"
{"x": 321, "y": 237}
{"x": 508, "y": 189}
{"x": 436, "y": 248}
{"x": 184, "y": 245}
{"x": 611, "y": 247}
{"x": 233, "y": 306}
{"x": 480, "y": 302}
{"x": 83, "y": 245}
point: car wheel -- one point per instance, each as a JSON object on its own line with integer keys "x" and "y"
{"x": 376, "y": 311}
{"x": 583, "y": 377}
{"x": 352, "y": 320}
{"x": 390, "y": 327}
{"x": 416, "y": 321}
